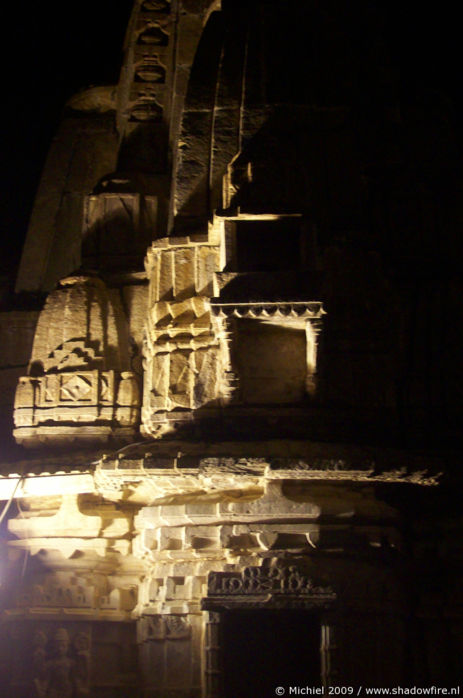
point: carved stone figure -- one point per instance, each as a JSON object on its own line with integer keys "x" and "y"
{"x": 64, "y": 672}
{"x": 82, "y": 664}
{"x": 60, "y": 670}
{"x": 39, "y": 663}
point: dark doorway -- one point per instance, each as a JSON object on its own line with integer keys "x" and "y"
{"x": 266, "y": 649}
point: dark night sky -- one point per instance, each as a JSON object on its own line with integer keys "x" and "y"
{"x": 53, "y": 50}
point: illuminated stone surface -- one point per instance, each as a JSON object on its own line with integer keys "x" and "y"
{"x": 226, "y": 394}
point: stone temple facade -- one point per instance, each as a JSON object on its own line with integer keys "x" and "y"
{"x": 233, "y": 368}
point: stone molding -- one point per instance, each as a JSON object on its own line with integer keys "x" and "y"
{"x": 295, "y": 309}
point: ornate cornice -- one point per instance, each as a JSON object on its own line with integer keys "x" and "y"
{"x": 312, "y": 310}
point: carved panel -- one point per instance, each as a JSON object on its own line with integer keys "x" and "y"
{"x": 61, "y": 664}
{"x": 163, "y": 627}
{"x": 70, "y": 659}
{"x": 71, "y": 355}
{"x": 273, "y": 586}
{"x": 76, "y": 388}
{"x": 150, "y": 51}
{"x": 67, "y": 591}
{"x": 181, "y": 348}
{"x": 81, "y": 396}
{"x": 76, "y": 375}
{"x": 60, "y": 596}
{"x": 146, "y": 108}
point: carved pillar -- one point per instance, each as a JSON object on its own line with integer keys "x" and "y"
{"x": 328, "y": 653}
{"x": 213, "y": 670}
{"x": 166, "y": 649}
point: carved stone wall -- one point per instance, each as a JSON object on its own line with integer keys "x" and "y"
{"x": 182, "y": 358}
{"x": 70, "y": 658}
{"x": 79, "y": 380}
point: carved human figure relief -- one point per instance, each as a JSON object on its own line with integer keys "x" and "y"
{"x": 60, "y": 669}
{"x": 63, "y": 671}
{"x": 39, "y": 657}
{"x": 82, "y": 664}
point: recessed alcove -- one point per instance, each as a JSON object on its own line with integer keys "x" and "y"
{"x": 271, "y": 362}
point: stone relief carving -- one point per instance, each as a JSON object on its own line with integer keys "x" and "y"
{"x": 181, "y": 348}
{"x": 150, "y": 70}
{"x": 117, "y": 217}
{"x": 72, "y": 592}
{"x": 82, "y": 666}
{"x": 164, "y": 627}
{"x": 70, "y": 355}
{"x": 63, "y": 670}
{"x": 178, "y": 627}
{"x": 78, "y": 370}
{"x": 154, "y": 35}
{"x": 266, "y": 580}
{"x": 146, "y": 108}
{"x": 72, "y": 595}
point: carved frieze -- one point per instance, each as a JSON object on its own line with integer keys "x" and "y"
{"x": 74, "y": 594}
{"x": 58, "y": 596}
{"x": 297, "y": 309}
{"x": 274, "y": 585}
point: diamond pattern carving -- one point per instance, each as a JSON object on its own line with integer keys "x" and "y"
{"x": 76, "y": 388}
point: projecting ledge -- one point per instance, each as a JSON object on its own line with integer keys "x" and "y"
{"x": 193, "y": 473}
{"x": 18, "y": 486}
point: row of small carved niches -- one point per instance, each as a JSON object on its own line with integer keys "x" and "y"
{"x": 143, "y": 97}
{"x": 59, "y": 658}
{"x": 151, "y": 47}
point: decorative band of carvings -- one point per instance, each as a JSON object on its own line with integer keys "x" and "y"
{"x": 297, "y": 309}
{"x": 276, "y": 581}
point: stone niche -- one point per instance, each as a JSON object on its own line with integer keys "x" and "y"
{"x": 119, "y": 219}
{"x": 79, "y": 383}
{"x": 270, "y": 350}
{"x": 272, "y": 362}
